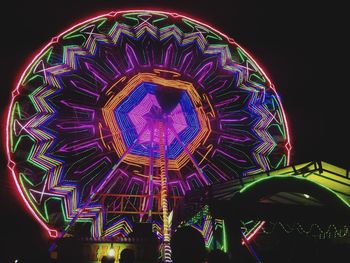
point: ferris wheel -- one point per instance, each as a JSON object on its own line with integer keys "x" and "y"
{"x": 116, "y": 118}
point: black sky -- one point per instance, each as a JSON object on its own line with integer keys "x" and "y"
{"x": 302, "y": 48}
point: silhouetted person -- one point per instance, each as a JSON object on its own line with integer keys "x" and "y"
{"x": 188, "y": 246}
{"x": 217, "y": 256}
{"x": 107, "y": 259}
{"x": 153, "y": 250}
{"x": 127, "y": 256}
{"x": 71, "y": 250}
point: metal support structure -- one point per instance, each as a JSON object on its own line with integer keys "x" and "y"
{"x": 150, "y": 178}
{"x": 164, "y": 193}
{"x": 125, "y": 207}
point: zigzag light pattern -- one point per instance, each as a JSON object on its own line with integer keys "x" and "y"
{"x": 61, "y": 146}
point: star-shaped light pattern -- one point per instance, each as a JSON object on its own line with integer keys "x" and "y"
{"x": 137, "y": 103}
{"x": 147, "y": 111}
{"x": 146, "y": 100}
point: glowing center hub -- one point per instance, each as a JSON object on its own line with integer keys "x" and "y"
{"x": 139, "y": 114}
{"x": 157, "y": 115}
{"x": 135, "y": 110}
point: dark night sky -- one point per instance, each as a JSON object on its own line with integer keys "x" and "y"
{"x": 301, "y": 47}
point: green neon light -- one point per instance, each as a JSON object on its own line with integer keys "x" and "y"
{"x": 15, "y": 108}
{"x": 38, "y": 60}
{"x": 62, "y": 210}
{"x": 210, "y": 241}
{"x": 49, "y": 54}
{"x": 253, "y": 228}
{"x": 103, "y": 21}
{"x": 330, "y": 190}
{"x": 280, "y": 125}
{"x": 54, "y": 198}
{"x": 31, "y": 161}
{"x": 44, "y": 217}
{"x": 35, "y": 77}
{"x": 282, "y": 161}
{"x": 26, "y": 179}
{"x": 113, "y": 28}
{"x": 214, "y": 36}
{"x": 224, "y": 237}
{"x": 254, "y": 75}
{"x": 245, "y": 188}
{"x": 19, "y": 140}
{"x": 211, "y": 34}
{"x": 45, "y": 204}
{"x": 31, "y": 97}
{"x": 71, "y": 33}
{"x": 241, "y": 55}
{"x": 160, "y": 19}
{"x": 249, "y": 186}
{"x": 130, "y": 16}
{"x": 189, "y": 23}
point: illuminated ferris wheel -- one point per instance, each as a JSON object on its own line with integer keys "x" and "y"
{"x": 119, "y": 116}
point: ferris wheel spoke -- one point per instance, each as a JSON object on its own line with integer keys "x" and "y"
{"x": 121, "y": 112}
{"x": 121, "y": 159}
{"x": 84, "y": 143}
{"x": 99, "y": 188}
{"x": 217, "y": 169}
{"x": 150, "y": 177}
{"x": 195, "y": 163}
{"x": 164, "y": 191}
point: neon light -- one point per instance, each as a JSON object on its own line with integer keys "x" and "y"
{"x": 119, "y": 114}
{"x": 255, "y": 230}
{"x": 76, "y": 111}
{"x": 251, "y": 185}
{"x": 164, "y": 178}
{"x": 224, "y": 234}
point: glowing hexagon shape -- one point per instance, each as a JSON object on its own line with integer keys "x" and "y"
{"x": 133, "y": 116}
